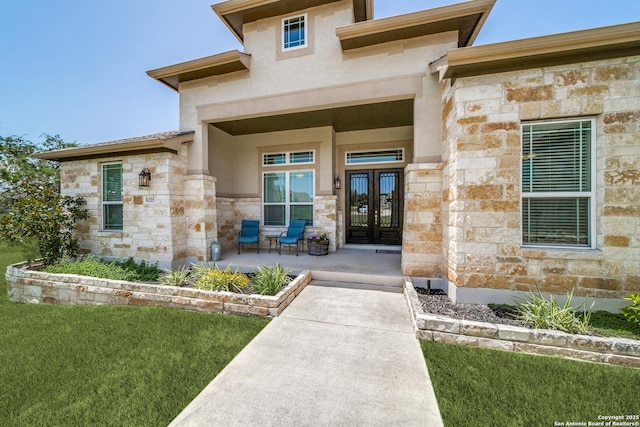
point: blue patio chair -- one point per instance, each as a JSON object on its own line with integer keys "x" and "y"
{"x": 249, "y": 234}
{"x": 293, "y": 235}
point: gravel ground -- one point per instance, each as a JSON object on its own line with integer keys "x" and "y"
{"x": 435, "y": 301}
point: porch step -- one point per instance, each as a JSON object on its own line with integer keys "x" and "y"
{"x": 358, "y": 278}
{"x": 351, "y": 285}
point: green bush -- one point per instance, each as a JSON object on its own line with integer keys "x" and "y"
{"x": 213, "y": 279}
{"x": 143, "y": 271}
{"x": 270, "y": 280}
{"x": 541, "y": 313}
{"x": 179, "y": 277}
{"x": 632, "y": 312}
{"x": 91, "y": 266}
{"x": 116, "y": 270}
{"x": 47, "y": 217}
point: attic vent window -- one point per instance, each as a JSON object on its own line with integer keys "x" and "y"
{"x": 294, "y": 32}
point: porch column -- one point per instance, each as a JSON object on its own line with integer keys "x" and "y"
{"x": 427, "y": 124}
{"x": 422, "y": 233}
{"x": 200, "y": 213}
{"x": 199, "y": 151}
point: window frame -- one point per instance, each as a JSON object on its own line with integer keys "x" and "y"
{"x": 305, "y": 33}
{"x": 401, "y": 150}
{"x": 106, "y": 203}
{"x": 287, "y": 203}
{"x": 563, "y": 195}
{"x": 287, "y": 158}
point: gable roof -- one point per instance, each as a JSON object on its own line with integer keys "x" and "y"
{"x": 558, "y": 49}
{"x": 467, "y": 18}
{"x": 236, "y": 13}
{"x": 155, "y": 143}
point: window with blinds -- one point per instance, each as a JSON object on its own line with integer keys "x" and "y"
{"x": 557, "y": 183}
{"x": 112, "y": 218}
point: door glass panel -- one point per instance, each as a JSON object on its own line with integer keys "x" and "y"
{"x": 389, "y": 203}
{"x": 359, "y": 198}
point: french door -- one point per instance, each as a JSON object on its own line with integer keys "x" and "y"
{"x": 374, "y": 203}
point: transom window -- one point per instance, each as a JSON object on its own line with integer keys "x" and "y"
{"x": 374, "y": 156}
{"x": 287, "y": 195}
{"x": 294, "y": 32}
{"x": 112, "y": 217}
{"x": 293, "y": 157}
{"x": 558, "y": 187}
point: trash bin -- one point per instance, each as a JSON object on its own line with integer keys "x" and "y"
{"x": 216, "y": 249}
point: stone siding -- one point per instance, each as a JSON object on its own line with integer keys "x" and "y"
{"x": 200, "y": 213}
{"x": 153, "y": 217}
{"x": 325, "y": 218}
{"x": 34, "y": 287}
{"x": 482, "y": 119}
{"x": 422, "y": 229}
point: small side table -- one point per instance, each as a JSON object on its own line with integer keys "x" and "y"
{"x": 272, "y": 238}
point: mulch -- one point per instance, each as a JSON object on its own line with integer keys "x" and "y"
{"x": 436, "y": 301}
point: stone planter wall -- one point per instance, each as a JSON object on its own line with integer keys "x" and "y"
{"x": 614, "y": 351}
{"x": 33, "y": 287}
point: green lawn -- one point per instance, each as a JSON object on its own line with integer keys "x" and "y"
{"x": 480, "y": 387}
{"x": 99, "y": 365}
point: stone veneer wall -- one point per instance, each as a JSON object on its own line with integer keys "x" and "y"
{"x": 153, "y": 216}
{"x": 200, "y": 214}
{"x": 34, "y": 287}
{"x": 231, "y": 211}
{"x": 325, "y": 218}
{"x": 422, "y": 232}
{"x": 431, "y": 327}
{"x": 482, "y": 150}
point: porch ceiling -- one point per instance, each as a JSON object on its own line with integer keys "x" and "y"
{"x": 343, "y": 119}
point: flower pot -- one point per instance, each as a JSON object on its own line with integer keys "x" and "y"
{"x": 320, "y": 248}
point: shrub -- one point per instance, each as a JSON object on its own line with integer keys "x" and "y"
{"x": 541, "y": 313}
{"x": 143, "y": 271}
{"x": 177, "y": 277}
{"x": 213, "y": 279}
{"x": 48, "y": 217}
{"x": 269, "y": 280}
{"x": 91, "y": 266}
{"x": 632, "y": 312}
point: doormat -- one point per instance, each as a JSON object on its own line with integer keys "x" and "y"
{"x": 388, "y": 251}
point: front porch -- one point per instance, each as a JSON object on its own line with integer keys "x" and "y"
{"x": 380, "y": 265}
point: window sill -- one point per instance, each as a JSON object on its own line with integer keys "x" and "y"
{"x": 111, "y": 231}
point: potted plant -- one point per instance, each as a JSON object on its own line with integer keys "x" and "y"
{"x": 318, "y": 244}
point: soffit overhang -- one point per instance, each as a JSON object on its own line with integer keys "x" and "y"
{"x": 215, "y": 65}
{"x": 558, "y": 49}
{"x": 157, "y": 143}
{"x": 378, "y": 115}
{"x": 466, "y": 18}
{"x": 236, "y": 13}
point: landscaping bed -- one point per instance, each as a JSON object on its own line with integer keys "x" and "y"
{"x": 474, "y": 326}
{"x": 27, "y": 285}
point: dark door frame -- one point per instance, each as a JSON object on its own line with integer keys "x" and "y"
{"x": 372, "y": 229}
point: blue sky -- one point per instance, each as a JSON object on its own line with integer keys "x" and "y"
{"x": 77, "y": 67}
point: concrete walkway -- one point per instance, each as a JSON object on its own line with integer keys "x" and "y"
{"x": 339, "y": 355}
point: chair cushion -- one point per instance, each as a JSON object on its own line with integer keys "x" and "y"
{"x": 286, "y": 240}
{"x": 248, "y": 239}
